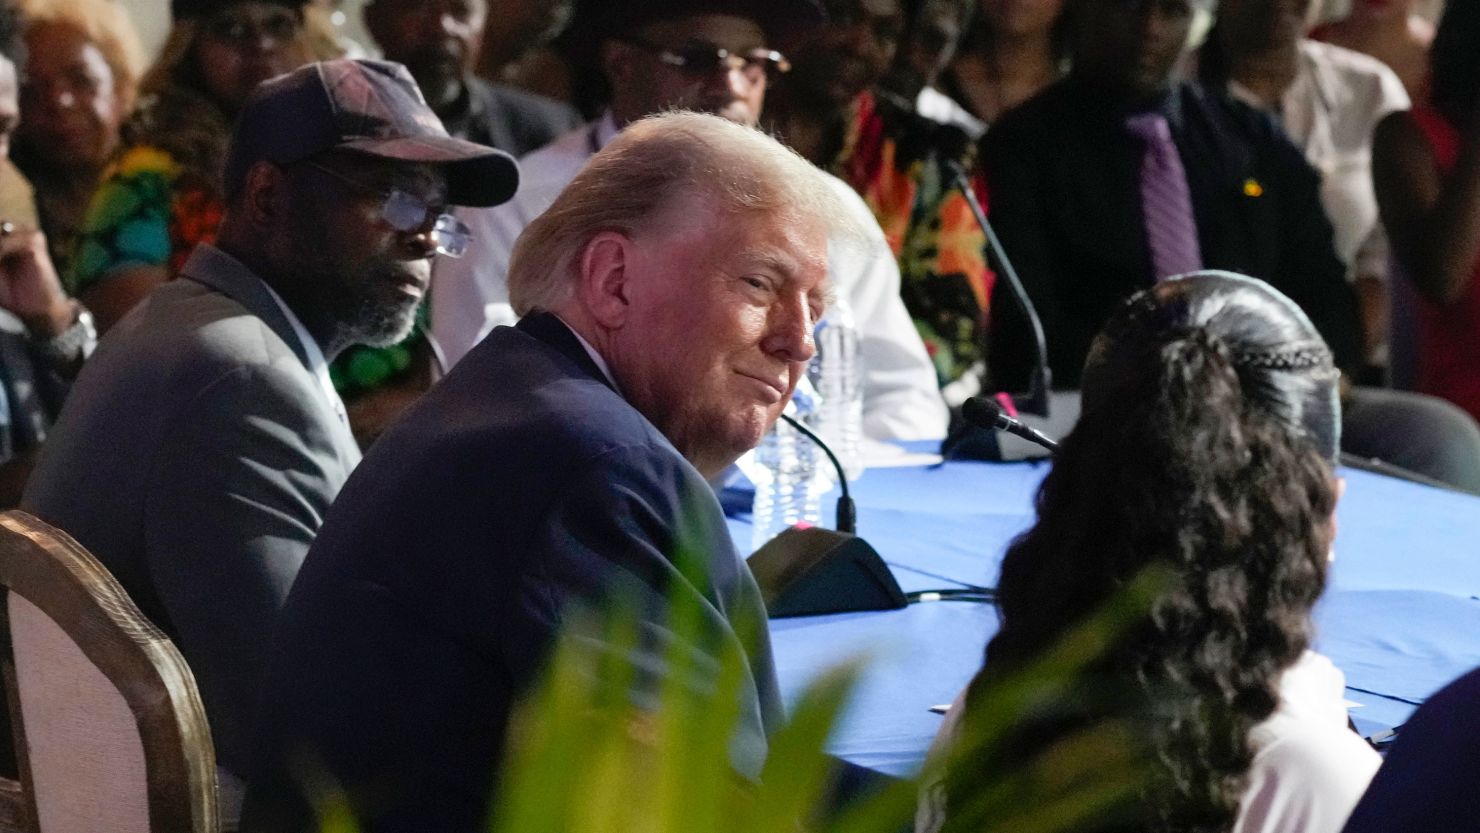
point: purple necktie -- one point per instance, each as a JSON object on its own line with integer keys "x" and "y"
{"x": 1166, "y": 203}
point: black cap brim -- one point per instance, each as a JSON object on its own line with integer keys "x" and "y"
{"x": 477, "y": 175}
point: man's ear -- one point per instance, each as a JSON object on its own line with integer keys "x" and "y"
{"x": 261, "y": 191}
{"x": 605, "y": 273}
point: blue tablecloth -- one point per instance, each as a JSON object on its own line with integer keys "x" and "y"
{"x": 1401, "y": 615}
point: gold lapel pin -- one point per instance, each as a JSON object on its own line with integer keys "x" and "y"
{"x": 1252, "y": 188}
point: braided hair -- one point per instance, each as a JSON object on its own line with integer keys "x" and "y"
{"x": 1206, "y": 443}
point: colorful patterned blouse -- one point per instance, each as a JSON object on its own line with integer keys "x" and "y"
{"x": 152, "y": 211}
{"x": 944, "y": 278}
{"x": 146, "y": 212}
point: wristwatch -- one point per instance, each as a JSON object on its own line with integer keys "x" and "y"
{"x": 74, "y": 343}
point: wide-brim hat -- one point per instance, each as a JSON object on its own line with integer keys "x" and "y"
{"x": 364, "y": 106}
{"x": 774, "y": 16}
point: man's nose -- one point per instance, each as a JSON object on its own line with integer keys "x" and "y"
{"x": 422, "y": 241}
{"x": 790, "y": 336}
{"x": 731, "y": 83}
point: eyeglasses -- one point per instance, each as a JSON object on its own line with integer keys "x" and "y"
{"x": 703, "y": 59}
{"x": 238, "y": 29}
{"x": 408, "y": 214}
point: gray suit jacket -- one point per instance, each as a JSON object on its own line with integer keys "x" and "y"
{"x": 195, "y": 457}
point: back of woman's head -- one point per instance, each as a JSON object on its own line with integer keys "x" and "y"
{"x": 1210, "y": 422}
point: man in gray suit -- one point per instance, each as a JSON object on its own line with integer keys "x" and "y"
{"x": 203, "y": 442}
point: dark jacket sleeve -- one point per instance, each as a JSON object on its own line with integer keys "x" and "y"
{"x": 236, "y": 494}
{"x": 639, "y": 527}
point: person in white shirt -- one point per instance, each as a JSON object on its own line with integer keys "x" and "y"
{"x": 1329, "y": 100}
{"x": 660, "y": 54}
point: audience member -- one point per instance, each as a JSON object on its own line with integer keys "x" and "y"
{"x": 44, "y": 335}
{"x": 1426, "y": 167}
{"x": 439, "y": 42}
{"x": 161, "y": 196}
{"x": 1121, "y": 175}
{"x": 1211, "y": 416}
{"x": 827, "y": 109}
{"x": 1392, "y": 32}
{"x": 1427, "y": 782}
{"x": 199, "y": 450}
{"x": 933, "y": 31}
{"x": 1329, "y": 100}
{"x": 81, "y": 78}
{"x": 1014, "y": 51}
{"x": 669, "y": 296}
{"x": 660, "y": 54}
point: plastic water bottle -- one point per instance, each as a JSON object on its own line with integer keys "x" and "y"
{"x": 785, "y": 470}
{"x": 836, "y": 373}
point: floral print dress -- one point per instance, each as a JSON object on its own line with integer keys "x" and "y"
{"x": 944, "y": 278}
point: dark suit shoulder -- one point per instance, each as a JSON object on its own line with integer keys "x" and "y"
{"x": 530, "y": 121}
{"x": 185, "y": 311}
{"x": 1230, "y": 117}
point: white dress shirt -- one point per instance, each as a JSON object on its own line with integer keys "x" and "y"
{"x": 1330, "y": 112}
{"x": 470, "y": 297}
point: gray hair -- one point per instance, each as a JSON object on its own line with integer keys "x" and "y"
{"x": 652, "y": 165}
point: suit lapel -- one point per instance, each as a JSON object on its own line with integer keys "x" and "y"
{"x": 1227, "y": 192}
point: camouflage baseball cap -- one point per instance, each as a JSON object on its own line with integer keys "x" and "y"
{"x": 365, "y": 106}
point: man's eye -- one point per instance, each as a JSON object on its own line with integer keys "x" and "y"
{"x": 755, "y": 282}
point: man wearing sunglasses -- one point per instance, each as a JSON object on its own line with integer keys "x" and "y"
{"x": 197, "y": 458}
{"x": 712, "y": 56}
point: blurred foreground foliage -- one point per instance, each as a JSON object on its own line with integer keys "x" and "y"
{"x": 603, "y": 744}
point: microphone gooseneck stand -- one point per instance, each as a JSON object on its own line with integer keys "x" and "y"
{"x": 847, "y": 513}
{"x": 1035, "y": 401}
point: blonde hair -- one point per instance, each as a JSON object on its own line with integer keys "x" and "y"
{"x": 107, "y": 26}
{"x": 653, "y": 165}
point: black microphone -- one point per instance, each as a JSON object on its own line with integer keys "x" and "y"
{"x": 847, "y": 514}
{"x": 1036, "y": 400}
{"x": 983, "y": 412}
{"x": 807, "y": 572}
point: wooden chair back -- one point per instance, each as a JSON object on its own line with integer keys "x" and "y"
{"x": 109, "y": 729}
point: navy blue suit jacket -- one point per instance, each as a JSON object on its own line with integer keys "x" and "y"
{"x": 521, "y": 483}
{"x": 1428, "y": 781}
{"x": 1063, "y": 179}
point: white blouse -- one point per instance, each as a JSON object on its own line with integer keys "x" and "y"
{"x": 1308, "y": 772}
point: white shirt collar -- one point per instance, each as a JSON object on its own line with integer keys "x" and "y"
{"x": 595, "y": 356}
{"x": 604, "y": 130}
{"x": 317, "y": 365}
